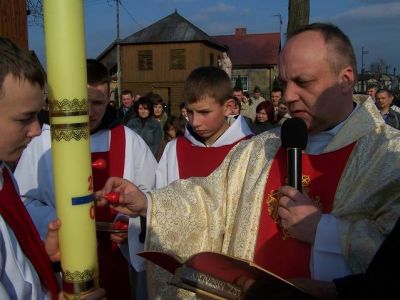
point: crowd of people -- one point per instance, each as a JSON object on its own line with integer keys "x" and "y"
{"x": 214, "y": 178}
{"x": 147, "y": 115}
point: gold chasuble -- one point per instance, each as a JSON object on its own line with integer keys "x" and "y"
{"x": 275, "y": 251}
{"x": 222, "y": 212}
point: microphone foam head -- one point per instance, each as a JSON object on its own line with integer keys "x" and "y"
{"x": 294, "y": 133}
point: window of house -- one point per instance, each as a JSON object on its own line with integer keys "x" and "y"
{"x": 145, "y": 60}
{"x": 211, "y": 59}
{"x": 177, "y": 59}
{"x": 243, "y": 79}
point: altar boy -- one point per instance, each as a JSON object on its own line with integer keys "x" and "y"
{"x": 127, "y": 156}
{"x": 208, "y": 136}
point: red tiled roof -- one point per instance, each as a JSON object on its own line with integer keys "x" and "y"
{"x": 246, "y": 50}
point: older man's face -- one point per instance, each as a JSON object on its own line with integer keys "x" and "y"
{"x": 313, "y": 92}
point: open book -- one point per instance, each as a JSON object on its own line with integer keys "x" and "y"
{"x": 213, "y": 275}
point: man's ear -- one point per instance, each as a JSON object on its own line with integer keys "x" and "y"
{"x": 229, "y": 106}
{"x": 391, "y": 98}
{"x": 347, "y": 78}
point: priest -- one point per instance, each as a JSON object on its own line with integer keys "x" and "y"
{"x": 351, "y": 183}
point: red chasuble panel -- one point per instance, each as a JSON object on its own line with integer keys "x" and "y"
{"x": 110, "y": 258}
{"x": 285, "y": 256}
{"x": 115, "y": 159}
{"x": 195, "y": 161}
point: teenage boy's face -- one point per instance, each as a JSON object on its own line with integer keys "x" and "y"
{"x": 127, "y": 100}
{"x": 20, "y": 102}
{"x": 98, "y": 100}
{"x": 275, "y": 97}
{"x": 383, "y": 100}
{"x": 207, "y": 118}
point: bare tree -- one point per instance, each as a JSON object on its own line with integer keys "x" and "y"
{"x": 35, "y": 12}
{"x": 299, "y": 14}
{"x": 380, "y": 67}
{"x": 380, "y": 72}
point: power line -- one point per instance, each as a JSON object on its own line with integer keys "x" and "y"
{"x": 130, "y": 15}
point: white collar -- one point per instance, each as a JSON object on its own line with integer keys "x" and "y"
{"x": 238, "y": 130}
{"x": 317, "y": 142}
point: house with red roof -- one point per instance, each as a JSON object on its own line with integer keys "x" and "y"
{"x": 254, "y": 58}
{"x": 159, "y": 57}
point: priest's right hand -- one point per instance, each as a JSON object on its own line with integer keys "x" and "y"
{"x": 132, "y": 201}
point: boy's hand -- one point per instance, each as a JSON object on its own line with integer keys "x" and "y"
{"x": 132, "y": 201}
{"x": 51, "y": 243}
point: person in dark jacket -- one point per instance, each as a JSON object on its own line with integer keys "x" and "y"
{"x": 145, "y": 125}
{"x": 384, "y": 99}
{"x": 264, "y": 117}
{"x": 127, "y": 110}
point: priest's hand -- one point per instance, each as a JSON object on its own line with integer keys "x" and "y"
{"x": 131, "y": 200}
{"x": 51, "y": 243}
{"x": 299, "y": 214}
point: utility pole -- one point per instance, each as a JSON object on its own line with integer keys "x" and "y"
{"x": 118, "y": 58}
{"x": 280, "y": 25}
{"x": 269, "y": 68}
{"x": 363, "y": 52}
{"x": 299, "y": 14}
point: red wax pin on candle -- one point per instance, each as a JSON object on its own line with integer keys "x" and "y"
{"x": 99, "y": 164}
{"x": 121, "y": 224}
{"x": 112, "y": 197}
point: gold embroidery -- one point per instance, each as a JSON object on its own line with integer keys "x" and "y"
{"x": 305, "y": 180}
{"x": 68, "y": 132}
{"x": 68, "y": 107}
{"x": 273, "y": 204}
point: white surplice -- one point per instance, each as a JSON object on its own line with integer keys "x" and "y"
{"x": 168, "y": 169}
{"x": 19, "y": 279}
{"x": 34, "y": 174}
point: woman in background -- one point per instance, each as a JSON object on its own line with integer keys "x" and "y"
{"x": 145, "y": 125}
{"x": 264, "y": 117}
{"x": 159, "y": 109}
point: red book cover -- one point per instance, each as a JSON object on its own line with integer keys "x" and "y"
{"x": 213, "y": 273}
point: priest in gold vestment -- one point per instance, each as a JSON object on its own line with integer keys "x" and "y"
{"x": 226, "y": 211}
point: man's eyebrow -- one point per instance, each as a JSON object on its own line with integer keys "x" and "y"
{"x": 203, "y": 110}
{"x": 28, "y": 113}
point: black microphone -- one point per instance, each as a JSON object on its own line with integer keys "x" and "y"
{"x": 294, "y": 138}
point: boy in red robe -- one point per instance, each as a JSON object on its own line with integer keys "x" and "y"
{"x": 26, "y": 262}
{"x": 208, "y": 136}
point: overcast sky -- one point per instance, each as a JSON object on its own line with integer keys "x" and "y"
{"x": 372, "y": 24}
